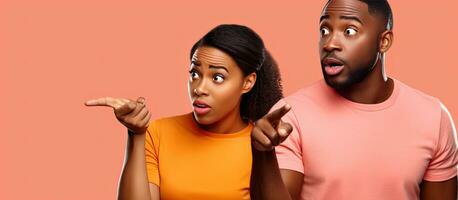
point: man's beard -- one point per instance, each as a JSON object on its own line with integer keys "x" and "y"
{"x": 354, "y": 77}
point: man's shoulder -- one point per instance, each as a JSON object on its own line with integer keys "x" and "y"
{"x": 305, "y": 92}
{"x": 416, "y": 96}
{"x": 422, "y": 106}
{"x": 309, "y": 95}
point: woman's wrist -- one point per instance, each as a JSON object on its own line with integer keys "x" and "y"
{"x": 138, "y": 132}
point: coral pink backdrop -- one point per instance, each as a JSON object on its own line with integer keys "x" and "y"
{"x": 55, "y": 54}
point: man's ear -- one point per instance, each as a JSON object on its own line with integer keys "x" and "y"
{"x": 248, "y": 82}
{"x": 386, "y": 40}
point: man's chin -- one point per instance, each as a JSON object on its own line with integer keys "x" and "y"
{"x": 337, "y": 84}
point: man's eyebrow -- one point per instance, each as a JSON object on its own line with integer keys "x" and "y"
{"x": 351, "y": 17}
{"x": 196, "y": 63}
{"x": 347, "y": 17}
{"x": 219, "y": 67}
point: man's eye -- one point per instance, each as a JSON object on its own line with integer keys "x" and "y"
{"x": 218, "y": 78}
{"x": 350, "y": 31}
{"x": 324, "y": 31}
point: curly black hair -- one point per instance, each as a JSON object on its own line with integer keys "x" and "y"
{"x": 248, "y": 51}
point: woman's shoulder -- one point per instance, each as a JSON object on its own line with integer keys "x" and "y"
{"x": 172, "y": 121}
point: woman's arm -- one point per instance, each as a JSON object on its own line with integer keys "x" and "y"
{"x": 269, "y": 182}
{"x": 133, "y": 183}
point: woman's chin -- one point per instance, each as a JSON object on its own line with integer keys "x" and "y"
{"x": 203, "y": 119}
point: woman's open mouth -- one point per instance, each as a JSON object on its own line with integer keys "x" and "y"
{"x": 200, "y": 107}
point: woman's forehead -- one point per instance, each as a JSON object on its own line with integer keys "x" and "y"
{"x": 212, "y": 56}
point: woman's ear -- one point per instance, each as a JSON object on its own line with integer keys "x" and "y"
{"x": 386, "y": 40}
{"x": 248, "y": 82}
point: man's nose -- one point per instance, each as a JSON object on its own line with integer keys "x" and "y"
{"x": 332, "y": 43}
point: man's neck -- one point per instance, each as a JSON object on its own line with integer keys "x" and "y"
{"x": 375, "y": 88}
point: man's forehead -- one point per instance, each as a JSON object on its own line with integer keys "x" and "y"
{"x": 346, "y": 7}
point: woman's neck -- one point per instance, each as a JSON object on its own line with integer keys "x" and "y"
{"x": 230, "y": 123}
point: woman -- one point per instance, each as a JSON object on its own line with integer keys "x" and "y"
{"x": 205, "y": 154}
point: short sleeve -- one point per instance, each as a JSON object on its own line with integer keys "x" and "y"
{"x": 152, "y": 154}
{"x": 443, "y": 165}
{"x": 289, "y": 152}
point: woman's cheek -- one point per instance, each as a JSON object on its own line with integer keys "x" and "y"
{"x": 227, "y": 98}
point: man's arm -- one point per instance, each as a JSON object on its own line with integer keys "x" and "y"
{"x": 443, "y": 163}
{"x": 446, "y": 190}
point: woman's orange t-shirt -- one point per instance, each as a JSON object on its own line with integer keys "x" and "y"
{"x": 187, "y": 162}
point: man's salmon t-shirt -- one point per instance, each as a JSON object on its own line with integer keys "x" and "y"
{"x": 187, "y": 162}
{"x": 355, "y": 151}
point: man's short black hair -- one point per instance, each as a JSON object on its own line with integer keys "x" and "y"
{"x": 382, "y": 8}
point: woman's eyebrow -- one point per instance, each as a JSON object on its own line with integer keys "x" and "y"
{"x": 324, "y": 17}
{"x": 219, "y": 67}
{"x": 196, "y": 63}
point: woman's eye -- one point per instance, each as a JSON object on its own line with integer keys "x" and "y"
{"x": 193, "y": 74}
{"x": 350, "y": 31}
{"x": 324, "y": 31}
{"x": 218, "y": 78}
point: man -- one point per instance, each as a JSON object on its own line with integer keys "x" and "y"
{"x": 358, "y": 134}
